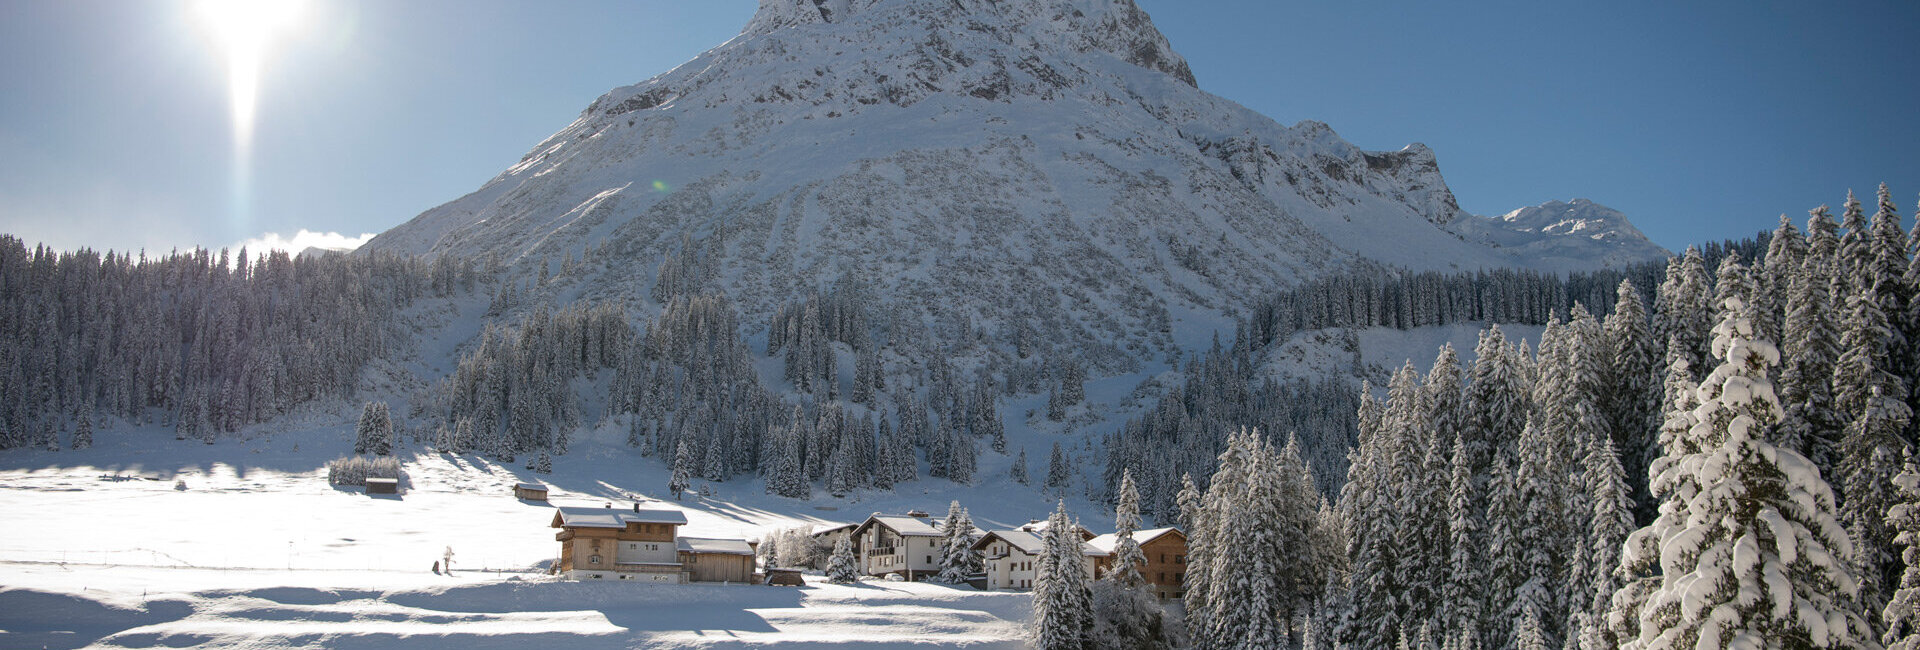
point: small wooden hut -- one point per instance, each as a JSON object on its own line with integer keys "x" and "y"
{"x": 530, "y": 491}
{"x": 383, "y": 485}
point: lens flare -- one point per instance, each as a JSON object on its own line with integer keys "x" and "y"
{"x": 244, "y": 30}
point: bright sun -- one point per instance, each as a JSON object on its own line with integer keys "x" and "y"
{"x": 244, "y": 30}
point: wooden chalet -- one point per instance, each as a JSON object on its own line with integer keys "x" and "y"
{"x": 644, "y": 545}
{"x": 908, "y": 545}
{"x": 1166, "y": 553}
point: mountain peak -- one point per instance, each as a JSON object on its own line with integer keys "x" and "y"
{"x": 1117, "y": 27}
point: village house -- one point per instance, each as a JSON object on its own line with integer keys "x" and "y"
{"x": 1011, "y": 557}
{"x": 1166, "y": 553}
{"x": 644, "y": 545}
{"x": 908, "y": 545}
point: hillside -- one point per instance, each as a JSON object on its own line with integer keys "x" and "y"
{"x": 1045, "y": 163}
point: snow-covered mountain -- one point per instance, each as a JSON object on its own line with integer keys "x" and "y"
{"x": 1564, "y": 235}
{"x": 1049, "y": 164}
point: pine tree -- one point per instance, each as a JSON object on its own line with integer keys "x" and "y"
{"x": 1786, "y": 252}
{"x": 82, "y": 432}
{"x": 1631, "y": 397}
{"x": 1867, "y": 470}
{"x": 1611, "y": 523}
{"x": 1463, "y": 596}
{"x": 1496, "y": 399}
{"x": 1059, "y": 474}
{"x": 682, "y": 470}
{"x": 1062, "y": 606}
{"x": 374, "y": 435}
{"x": 1902, "y": 614}
{"x": 544, "y": 464}
{"x": 1751, "y": 550}
{"x": 1127, "y": 558}
{"x": 841, "y": 569}
{"x": 958, "y": 560}
{"x": 1018, "y": 471}
{"x": 1812, "y": 426}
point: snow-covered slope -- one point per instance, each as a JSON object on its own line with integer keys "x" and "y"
{"x": 1563, "y": 236}
{"x": 1051, "y": 161}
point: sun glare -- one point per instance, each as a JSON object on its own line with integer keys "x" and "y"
{"x": 244, "y": 30}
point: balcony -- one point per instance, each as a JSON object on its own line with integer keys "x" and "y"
{"x": 563, "y": 536}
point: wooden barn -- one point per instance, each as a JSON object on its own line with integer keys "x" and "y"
{"x": 530, "y": 491}
{"x": 383, "y": 485}
{"x": 716, "y": 560}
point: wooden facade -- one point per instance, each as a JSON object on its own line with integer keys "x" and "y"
{"x": 530, "y": 491}
{"x": 645, "y": 546}
{"x": 1166, "y": 553}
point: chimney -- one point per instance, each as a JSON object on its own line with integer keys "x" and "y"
{"x": 636, "y": 506}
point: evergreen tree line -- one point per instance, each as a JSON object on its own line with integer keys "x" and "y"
{"x": 1187, "y": 430}
{"x": 1381, "y": 297}
{"x": 204, "y": 342}
{"x": 1593, "y": 496}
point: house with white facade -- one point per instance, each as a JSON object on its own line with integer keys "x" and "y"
{"x": 908, "y": 545}
{"x": 1012, "y": 557}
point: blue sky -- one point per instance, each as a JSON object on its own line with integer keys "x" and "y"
{"x": 1700, "y": 120}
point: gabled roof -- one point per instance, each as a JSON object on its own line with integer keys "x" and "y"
{"x": 712, "y": 545}
{"x": 1029, "y": 543}
{"x": 575, "y": 517}
{"x": 902, "y": 525}
{"x": 531, "y": 486}
{"x": 828, "y": 529}
{"x": 1106, "y": 542}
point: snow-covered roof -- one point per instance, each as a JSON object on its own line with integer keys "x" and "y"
{"x": 574, "y": 517}
{"x": 907, "y": 526}
{"x": 1106, "y": 542}
{"x": 1031, "y": 544}
{"x": 531, "y": 486}
{"x": 1027, "y": 542}
{"x": 827, "y": 529}
{"x": 711, "y": 545}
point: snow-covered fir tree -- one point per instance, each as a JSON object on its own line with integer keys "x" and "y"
{"x": 543, "y": 464}
{"x": 841, "y": 569}
{"x": 1902, "y": 614}
{"x": 1631, "y": 393}
{"x": 1811, "y": 336}
{"x": 1059, "y": 473}
{"x": 82, "y": 431}
{"x": 1463, "y": 596}
{"x": 374, "y": 435}
{"x": 958, "y": 560}
{"x": 1127, "y": 557}
{"x": 1868, "y": 467}
{"x": 1017, "y": 472}
{"x": 1062, "y": 605}
{"x": 1750, "y": 549}
{"x": 1610, "y": 523}
{"x": 682, "y": 470}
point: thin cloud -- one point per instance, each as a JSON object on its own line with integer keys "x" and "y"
{"x": 303, "y": 240}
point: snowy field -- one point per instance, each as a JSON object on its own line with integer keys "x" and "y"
{"x": 144, "y": 541}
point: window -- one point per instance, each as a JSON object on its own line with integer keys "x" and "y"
{"x": 1162, "y": 577}
{"x": 929, "y": 559}
{"x": 593, "y": 560}
{"x": 1179, "y": 559}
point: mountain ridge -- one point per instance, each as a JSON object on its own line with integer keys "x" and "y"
{"x": 1046, "y": 164}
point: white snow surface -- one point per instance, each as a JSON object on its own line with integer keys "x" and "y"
{"x": 257, "y": 551}
{"x": 1047, "y": 160}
